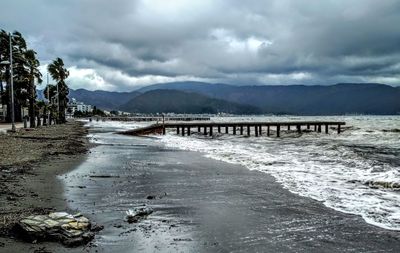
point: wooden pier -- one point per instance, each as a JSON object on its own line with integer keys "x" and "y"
{"x": 239, "y": 128}
{"x": 158, "y": 118}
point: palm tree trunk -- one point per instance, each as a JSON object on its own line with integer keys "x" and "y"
{"x": 8, "y": 90}
{"x": 44, "y": 116}
{"x": 17, "y": 112}
{"x": 62, "y": 111}
{"x": 31, "y": 105}
{"x": 1, "y": 86}
{"x": 1, "y": 89}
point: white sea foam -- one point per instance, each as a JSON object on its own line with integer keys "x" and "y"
{"x": 334, "y": 169}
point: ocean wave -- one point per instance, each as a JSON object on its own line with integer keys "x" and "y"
{"x": 355, "y": 172}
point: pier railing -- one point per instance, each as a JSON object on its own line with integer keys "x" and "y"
{"x": 155, "y": 118}
{"x": 239, "y": 128}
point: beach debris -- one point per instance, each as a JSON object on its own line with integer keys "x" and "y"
{"x": 42, "y": 250}
{"x": 383, "y": 184}
{"x": 70, "y": 230}
{"x": 182, "y": 240}
{"x": 151, "y": 197}
{"x": 11, "y": 198}
{"x": 133, "y": 216}
{"x": 127, "y": 232}
{"x": 391, "y": 130}
{"x": 104, "y": 176}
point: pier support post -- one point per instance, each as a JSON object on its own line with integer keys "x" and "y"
{"x": 219, "y": 129}
{"x": 308, "y": 126}
{"x": 241, "y": 130}
{"x": 319, "y": 128}
{"x": 326, "y": 128}
{"x": 188, "y": 130}
{"x": 226, "y": 130}
{"x": 248, "y": 130}
{"x": 183, "y": 131}
{"x": 338, "y": 129}
{"x": 177, "y": 130}
{"x": 278, "y": 130}
{"x": 256, "y": 130}
{"x": 268, "y": 131}
{"x": 259, "y": 130}
{"x": 288, "y": 127}
{"x": 234, "y": 130}
{"x": 163, "y": 130}
{"x": 199, "y": 129}
{"x": 211, "y": 130}
{"x": 315, "y": 128}
{"x": 205, "y": 130}
{"x": 298, "y": 128}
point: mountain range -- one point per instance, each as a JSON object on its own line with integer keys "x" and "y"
{"x": 198, "y": 97}
{"x": 176, "y": 101}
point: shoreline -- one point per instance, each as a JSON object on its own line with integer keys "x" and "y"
{"x": 30, "y": 184}
{"x": 205, "y": 205}
{"x": 200, "y": 204}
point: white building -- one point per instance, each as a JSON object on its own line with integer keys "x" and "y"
{"x": 81, "y": 107}
{"x": 75, "y": 106}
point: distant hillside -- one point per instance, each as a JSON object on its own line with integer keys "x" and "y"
{"x": 346, "y": 98}
{"x": 106, "y": 100}
{"x": 102, "y": 99}
{"x": 183, "y": 102}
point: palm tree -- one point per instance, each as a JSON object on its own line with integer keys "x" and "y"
{"x": 4, "y": 69}
{"x": 41, "y": 110}
{"x": 4, "y": 49}
{"x": 21, "y": 74}
{"x": 21, "y": 69}
{"x": 59, "y": 74}
{"x": 49, "y": 93}
{"x": 32, "y": 65}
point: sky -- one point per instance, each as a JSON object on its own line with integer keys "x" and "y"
{"x": 121, "y": 45}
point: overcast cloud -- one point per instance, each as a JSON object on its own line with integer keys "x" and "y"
{"x": 124, "y": 44}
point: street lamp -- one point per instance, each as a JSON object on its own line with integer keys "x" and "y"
{"x": 11, "y": 83}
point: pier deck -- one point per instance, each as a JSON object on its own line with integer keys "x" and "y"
{"x": 156, "y": 118}
{"x": 240, "y": 128}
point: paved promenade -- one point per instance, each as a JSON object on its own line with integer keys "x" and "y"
{"x": 6, "y": 126}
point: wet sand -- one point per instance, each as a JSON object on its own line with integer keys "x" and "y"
{"x": 203, "y": 205}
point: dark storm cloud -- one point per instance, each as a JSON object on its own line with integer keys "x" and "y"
{"x": 121, "y": 44}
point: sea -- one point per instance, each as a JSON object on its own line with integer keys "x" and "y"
{"x": 355, "y": 172}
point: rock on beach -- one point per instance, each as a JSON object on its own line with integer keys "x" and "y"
{"x": 70, "y": 230}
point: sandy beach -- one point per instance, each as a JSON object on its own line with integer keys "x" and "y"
{"x": 30, "y": 161}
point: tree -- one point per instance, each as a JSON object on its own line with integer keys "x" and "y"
{"x": 33, "y": 73}
{"x": 49, "y": 93}
{"x": 41, "y": 110}
{"x": 4, "y": 56}
{"x": 5, "y": 69}
{"x": 25, "y": 69}
{"x": 59, "y": 74}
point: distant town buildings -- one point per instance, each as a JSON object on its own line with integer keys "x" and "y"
{"x": 76, "y": 106}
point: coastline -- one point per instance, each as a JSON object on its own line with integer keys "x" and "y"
{"x": 30, "y": 162}
{"x": 204, "y": 205}
{"x": 200, "y": 204}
